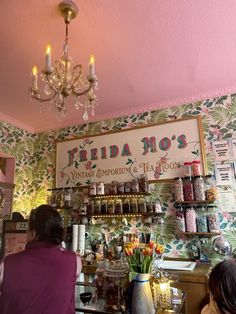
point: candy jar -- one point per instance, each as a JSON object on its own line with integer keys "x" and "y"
{"x": 134, "y": 205}
{"x": 199, "y": 188}
{"x": 93, "y": 188}
{"x": 202, "y": 225}
{"x": 210, "y": 189}
{"x": 188, "y": 189}
{"x": 196, "y": 168}
{"x": 143, "y": 183}
{"x": 180, "y": 221}
{"x": 213, "y": 222}
{"x": 100, "y": 188}
{"x": 187, "y": 169}
{"x": 116, "y": 279}
{"x": 178, "y": 190}
{"x": 191, "y": 225}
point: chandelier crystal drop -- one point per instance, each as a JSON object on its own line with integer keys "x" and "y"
{"x": 64, "y": 78}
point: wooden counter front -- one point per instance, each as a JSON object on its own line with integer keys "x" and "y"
{"x": 194, "y": 283}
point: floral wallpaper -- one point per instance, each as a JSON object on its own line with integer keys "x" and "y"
{"x": 35, "y": 165}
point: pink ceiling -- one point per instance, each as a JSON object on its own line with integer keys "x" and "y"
{"x": 149, "y": 54}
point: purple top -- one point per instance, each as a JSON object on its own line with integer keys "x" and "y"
{"x": 39, "y": 280}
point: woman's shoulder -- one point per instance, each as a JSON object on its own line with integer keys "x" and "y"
{"x": 210, "y": 308}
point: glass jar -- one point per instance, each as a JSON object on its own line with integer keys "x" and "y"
{"x": 104, "y": 206}
{"x": 157, "y": 206}
{"x": 210, "y": 189}
{"x": 126, "y": 206}
{"x": 178, "y": 190}
{"x": 97, "y": 207}
{"x": 199, "y": 188}
{"x": 142, "y": 206}
{"x": 149, "y": 207}
{"x": 134, "y": 186}
{"x": 134, "y": 205}
{"x": 113, "y": 187}
{"x": 121, "y": 188}
{"x": 90, "y": 207}
{"x": 188, "y": 189}
{"x": 143, "y": 183}
{"x": 100, "y": 188}
{"x": 116, "y": 279}
{"x": 191, "y": 225}
{"x": 107, "y": 188}
{"x": 187, "y": 169}
{"x": 118, "y": 206}
{"x": 93, "y": 189}
{"x": 213, "y": 222}
{"x": 52, "y": 198}
{"x": 128, "y": 187}
{"x": 111, "y": 207}
{"x": 196, "y": 168}
{"x": 68, "y": 197}
{"x": 202, "y": 225}
{"x": 180, "y": 221}
{"x": 59, "y": 198}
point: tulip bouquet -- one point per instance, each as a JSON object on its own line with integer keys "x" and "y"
{"x": 140, "y": 260}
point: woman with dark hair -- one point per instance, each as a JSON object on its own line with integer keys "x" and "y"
{"x": 222, "y": 286}
{"x": 41, "y": 279}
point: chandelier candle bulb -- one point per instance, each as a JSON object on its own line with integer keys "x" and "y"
{"x": 48, "y": 66}
{"x": 92, "y": 65}
{"x": 35, "y": 78}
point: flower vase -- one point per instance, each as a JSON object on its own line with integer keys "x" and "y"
{"x": 142, "y": 301}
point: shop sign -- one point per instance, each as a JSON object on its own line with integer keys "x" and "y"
{"x": 158, "y": 151}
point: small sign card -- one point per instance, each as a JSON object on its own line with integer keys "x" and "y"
{"x": 221, "y": 150}
{"x": 224, "y": 174}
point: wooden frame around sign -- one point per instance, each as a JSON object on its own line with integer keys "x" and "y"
{"x": 158, "y": 150}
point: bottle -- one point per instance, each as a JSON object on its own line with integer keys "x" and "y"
{"x": 178, "y": 190}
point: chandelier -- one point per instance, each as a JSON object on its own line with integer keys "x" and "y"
{"x": 65, "y": 79}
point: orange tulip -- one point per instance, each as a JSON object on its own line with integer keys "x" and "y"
{"x": 151, "y": 244}
{"x": 159, "y": 249}
{"x": 147, "y": 251}
{"x": 129, "y": 251}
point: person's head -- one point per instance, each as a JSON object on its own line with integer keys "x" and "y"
{"x": 17, "y": 216}
{"x": 222, "y": 285}
{"x": 45, "y": 224}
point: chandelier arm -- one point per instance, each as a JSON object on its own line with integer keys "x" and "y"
{"x": 36, "y": 95}
{"x": 50, "y": 83}
{"x": 83, "y": 92}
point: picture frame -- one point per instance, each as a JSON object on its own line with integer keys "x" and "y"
{"x": 157, "y": 150}
{"x": 14, "y": 236}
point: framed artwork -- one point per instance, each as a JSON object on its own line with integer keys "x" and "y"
{"x": 13, "y": 237}
{"x": 158, "y": 151}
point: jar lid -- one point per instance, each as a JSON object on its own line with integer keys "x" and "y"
{"x": 187, "y": 163}
{"x": 116, "y": 270}
{"x": 196, "y": 162}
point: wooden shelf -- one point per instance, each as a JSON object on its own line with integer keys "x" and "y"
{"x": 124, "y": 215}
{"x": 114, "y": 196}
{"x": 197, "y": 202}
{"x": 209, "y": 234}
